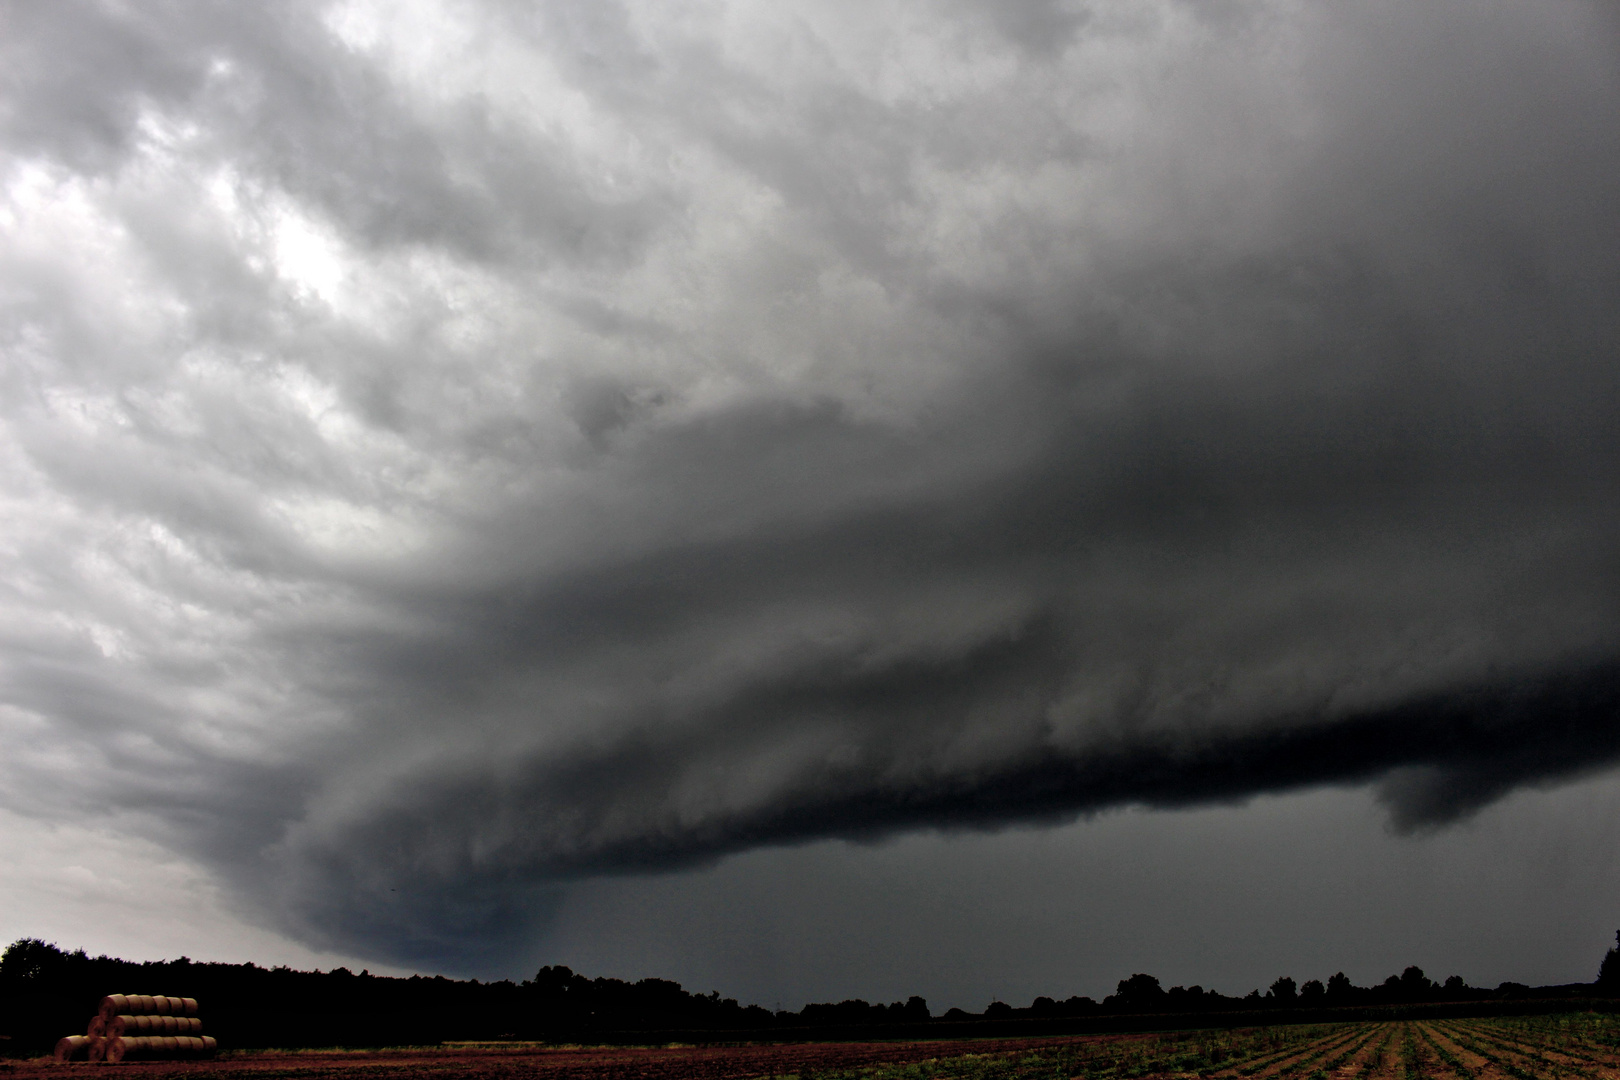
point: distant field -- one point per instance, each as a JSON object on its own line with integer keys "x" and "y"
{"x": 1516, "y": 1048}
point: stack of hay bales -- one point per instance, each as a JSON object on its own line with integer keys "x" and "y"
{"x": 139, "y": 1026}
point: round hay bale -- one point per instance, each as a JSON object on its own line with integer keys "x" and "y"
{"x": 168, "y": 1025}
{"x": 116, "y": 1049}
{"x": 191, "y": 1006}
{"x": 193, "y": 1025}
{"x": 70, "y": 1047}
{"x": 98, "y": 1026}
{"x": 98, "y": 1050}
{"x": 209, "y": 1043}
{"x": 112, "y": 1005}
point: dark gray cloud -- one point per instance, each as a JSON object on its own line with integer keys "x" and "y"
{"x": 1303, "y": 884}
{"x": 458, "y": 451}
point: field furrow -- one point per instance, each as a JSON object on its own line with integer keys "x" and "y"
{"x": 1350, "y": 1061}
{"x": 1462, "y": 1061}
{"x": 1514, "y": 1060}
{"x": 1566, "y": 1050}
{"x": 1290, "y": 1059}
{"x": 1368, "y": 1060}
{"x": 1573, "y": 1046}
{"x": 1436, "y": 1061}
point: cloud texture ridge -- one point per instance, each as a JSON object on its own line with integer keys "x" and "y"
{"x": 451, "y": 448}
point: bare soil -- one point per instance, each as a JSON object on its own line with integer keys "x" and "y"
{"x": 1288, "y": 1062}
{"x": 1403, "y": 1050}
{"x": 1526, "y": 1057}
{"x": 493, "y": 1062}
{"x": 1366, "y": 1059}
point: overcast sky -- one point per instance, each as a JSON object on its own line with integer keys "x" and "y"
{"x": 814, "y": 499}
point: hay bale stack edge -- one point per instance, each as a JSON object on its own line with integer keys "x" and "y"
{"x": 74, "y": 1048}
{"x": 139, "y": 1026}
{"x": 146, "y": 1005}
{"x": 160, "y": 1046}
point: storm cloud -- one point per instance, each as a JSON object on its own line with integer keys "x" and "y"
{"x": 455, "y": 449}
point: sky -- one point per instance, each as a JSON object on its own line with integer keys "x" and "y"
{"x": 815, "y": 499}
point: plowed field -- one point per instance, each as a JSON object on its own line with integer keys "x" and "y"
{"x": 1533, "y": 1048}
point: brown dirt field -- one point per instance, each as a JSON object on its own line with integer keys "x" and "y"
{"x": 1376, "y": 1053}
{"x": 1583, "y": 1057}
{"x": 1365, "y": 1060}
{"x": 1285, "y": 1062}
{"x": 1431, "y": 1064}
{"x": 1362, "y": 1040}
{"x": 530, "y": 1061}
{"x": 1385, "y": 1061}
{"x": 1469, "y": 1058}
{"x": 1522, "y": 1054}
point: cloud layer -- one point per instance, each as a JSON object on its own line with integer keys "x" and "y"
{"x": 453, "y": 449}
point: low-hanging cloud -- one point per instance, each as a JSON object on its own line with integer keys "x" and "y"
{"x": 457, "y": 448}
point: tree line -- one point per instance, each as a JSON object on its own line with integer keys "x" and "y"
{"x": 46, "y": 992}
{"x": 1143, "y": 993}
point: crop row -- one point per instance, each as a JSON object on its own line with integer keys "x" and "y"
{"x": 1516, "y": 1048}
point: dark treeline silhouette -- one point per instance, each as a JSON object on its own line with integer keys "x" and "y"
{"x": 1142, "y": 993}
{"x": 46, "y": 993}
{"x": 1609, "y": 971}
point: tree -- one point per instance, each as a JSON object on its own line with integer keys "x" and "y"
{"x": 1609, "y": 970}
{"x": 1338, "y": 986}
{"x": 1414, "y": 984}
{"x": 1312, "y": 992}
{"x": 1140, "y": 991}
{"x": 28, "y": 960}
{"x": 1283, "y": 991}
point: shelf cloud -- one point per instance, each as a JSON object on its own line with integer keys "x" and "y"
{"x": 453, "y": 449}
